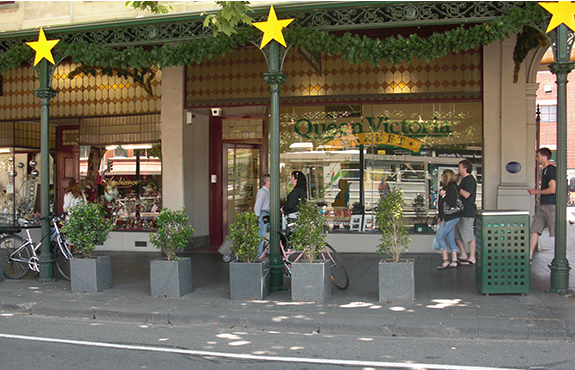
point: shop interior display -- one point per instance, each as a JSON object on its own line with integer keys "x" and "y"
{"x": 19, "y": 180}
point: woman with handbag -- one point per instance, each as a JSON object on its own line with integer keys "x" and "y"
{"x": 450, "y": 207}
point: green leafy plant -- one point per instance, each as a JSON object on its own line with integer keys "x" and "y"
{"x": 309, "y": 234}
{"x": 153, "y": 6}
{"x": 231, "y": 14}
{"x": 173, "y": 233}
{"x": 244, "y": 236}
{"x": 86, "y": 227}
{"x": 389, "y": 218}
{"x": 352, "y": 47}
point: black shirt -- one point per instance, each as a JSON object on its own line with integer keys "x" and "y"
{"x": 469, "y": 184}
{"x": 549, "y": 173}
{"x": 293, "y": 199}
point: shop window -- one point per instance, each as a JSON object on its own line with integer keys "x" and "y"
{"x": 353, "y": 155}
{"x": 20, "y": 181}
{"x": 126, "y": 180}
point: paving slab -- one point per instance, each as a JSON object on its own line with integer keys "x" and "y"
{"x": 447, "y": 302}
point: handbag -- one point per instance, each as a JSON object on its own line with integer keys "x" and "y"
{"x": 458, "y": 207}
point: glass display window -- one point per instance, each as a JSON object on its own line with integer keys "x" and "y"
{"x": 20, "y": 181}
{"x": 352, "y": 155}
{"x": 126, "y": 180}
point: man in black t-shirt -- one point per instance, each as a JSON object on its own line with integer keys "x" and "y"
{"x": 545, "y": 213}
{"x": 464, "y": 232}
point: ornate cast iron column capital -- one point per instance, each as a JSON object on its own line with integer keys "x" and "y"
{"x": 275, "y": 79}
{"x": 561, "y": 69}
{"x": 45, "y": 93}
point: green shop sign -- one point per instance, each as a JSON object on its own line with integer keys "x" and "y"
{"x": 309, "y": 130}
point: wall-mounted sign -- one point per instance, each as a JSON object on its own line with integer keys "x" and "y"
{"x": 374, "y": 138}
{"x": 513, "y": 167}
{"x": 306, "y": 128}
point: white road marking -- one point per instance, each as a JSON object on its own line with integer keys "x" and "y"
{"x": 240, "y": 356}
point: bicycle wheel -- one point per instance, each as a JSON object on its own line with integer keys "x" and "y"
{"x": 62, "y": 261}
{"x": 15, "y": 256}
{"x": 62, "y": 254}
{"x": 339, "y": 276}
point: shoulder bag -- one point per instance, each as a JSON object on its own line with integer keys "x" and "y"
{"x": 450, "y": 210}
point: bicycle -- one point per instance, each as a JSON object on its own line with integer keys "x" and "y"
{"x": 20, "y": 255}
{"x": 339, "y": 276}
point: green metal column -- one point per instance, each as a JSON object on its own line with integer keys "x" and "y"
{"x": 561, "y": 68}
{"x": 275, "y": 78}
{"x": 45, "y": 93}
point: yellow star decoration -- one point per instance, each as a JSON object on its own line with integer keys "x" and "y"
{"x": 43, "y": 48}
{"x": 272, "y": 29}
{"x": 563, "y": 12}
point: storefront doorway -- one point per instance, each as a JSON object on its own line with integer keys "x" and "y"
{"x": 241, "y": 180}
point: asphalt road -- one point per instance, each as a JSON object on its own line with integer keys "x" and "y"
{"x": 54, "y": 343}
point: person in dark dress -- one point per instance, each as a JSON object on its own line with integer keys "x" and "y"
{"x": 298, "y": 193}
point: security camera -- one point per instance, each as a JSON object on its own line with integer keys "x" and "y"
{"x": 190, "y": 118}
{"x": 216, "y": 112}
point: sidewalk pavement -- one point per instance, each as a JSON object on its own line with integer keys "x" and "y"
{"x": 447, "y": 303}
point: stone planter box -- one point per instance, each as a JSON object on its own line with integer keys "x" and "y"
{"x": 171, "y": 278}
{"x": 311, "y": 282}
{"x": 91, "y": 275}
{"x": 249, "y": 281}
{"x": 396, "y": 281}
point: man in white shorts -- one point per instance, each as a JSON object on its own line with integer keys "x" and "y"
{"x": 464, "y": 232}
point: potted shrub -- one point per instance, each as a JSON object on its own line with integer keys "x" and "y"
{"x": 87, "y": 226}
{"x": 396, "y": 276}
{"x": 249, "y": 276}
{"x": 311, "y": 278}
{"x": 420, "y": 220}
{"x": 171, "y": 275}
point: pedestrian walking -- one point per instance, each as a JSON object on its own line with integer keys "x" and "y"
{"x": 545, "y": 213}
{"x": 464, "y": 232}
{"x": 262, "y": 209}
{"x": 449, "y": 213}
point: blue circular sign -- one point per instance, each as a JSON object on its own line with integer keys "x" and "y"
{"x": 513, "y": 167}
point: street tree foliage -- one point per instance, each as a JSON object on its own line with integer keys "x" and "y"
{"x": 232, "y": 14}
{"x": 152, "y": 6}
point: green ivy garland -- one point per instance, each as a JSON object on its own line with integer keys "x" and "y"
{"x": 354, "y": 48}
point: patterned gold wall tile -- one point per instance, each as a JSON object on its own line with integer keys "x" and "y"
{"x": 81, "y": 96}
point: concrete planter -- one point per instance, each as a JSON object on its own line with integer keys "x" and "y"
{"x": 311, "y": 282}
{"x": 171, "y": 278}
{"x": 396, "y": 281}
{"x": 91, "y": 275}
{"x": 249, "y": 281}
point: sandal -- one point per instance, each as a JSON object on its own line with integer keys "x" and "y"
{"x": 466, "y": 262}
{"x": 444, "y": 265}
{"x": 453, "y": 264}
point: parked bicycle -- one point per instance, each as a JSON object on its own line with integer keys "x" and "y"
{"x": 20, "y": 255}
{"x": 339, "y": 276}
